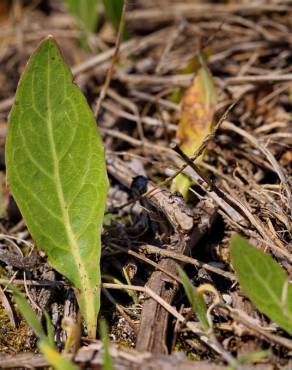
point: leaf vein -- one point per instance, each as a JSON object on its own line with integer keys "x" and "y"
{"x": 33, "y": 161}
{"x": 33, "y": 195}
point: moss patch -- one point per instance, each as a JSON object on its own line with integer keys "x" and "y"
{"x": 15, "y": 340}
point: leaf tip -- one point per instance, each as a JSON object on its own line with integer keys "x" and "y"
{"x": 50, "y": 39}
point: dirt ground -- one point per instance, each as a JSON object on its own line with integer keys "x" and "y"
{"x": 246, "y": 185}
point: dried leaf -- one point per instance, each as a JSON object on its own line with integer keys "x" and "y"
{"x": 196, "y": 120}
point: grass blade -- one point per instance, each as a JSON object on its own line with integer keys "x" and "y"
{"x": 54, "y": 358}
{"x": 195, "y": 298}
{"x": 107, "y": 361}
{"x": 85, "y": 11}
{"x": 113, "y": 12}
{"x": 27, "y": 312}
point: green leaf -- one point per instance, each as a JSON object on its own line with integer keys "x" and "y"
{"x": 54, "y": 358}
{"x": 27, "y": 312}
{"x": 195, "y": 298}
{"x": 85, "y": 11}
{"x": 107, "y": 361}
{"x": 56, "y": 173}
{"x": 264, "y": 281}
{"x": 50, "y": 331}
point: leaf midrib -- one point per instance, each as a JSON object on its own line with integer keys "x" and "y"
{"x": 81, "y": 270}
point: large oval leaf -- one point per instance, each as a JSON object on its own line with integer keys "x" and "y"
{"x": 264, "y": 281}
{"x": 56, "y": 172}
